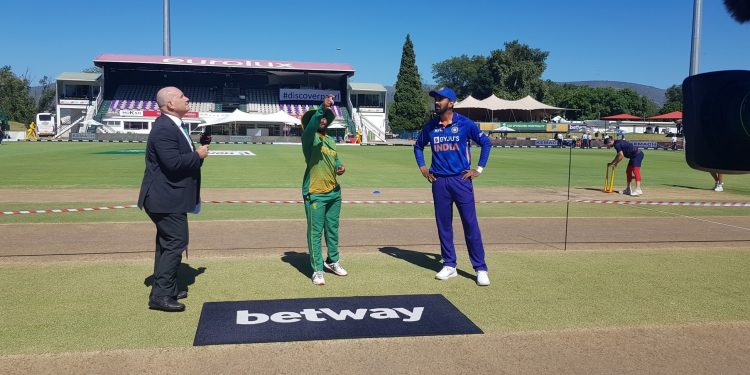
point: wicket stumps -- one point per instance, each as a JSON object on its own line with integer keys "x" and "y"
{"x": 609, "y": 179}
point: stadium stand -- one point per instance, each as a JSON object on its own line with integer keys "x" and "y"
{"x": 141, "y": 97}
{"x": 262, "y": 100}
{"x": 217, "y": 86}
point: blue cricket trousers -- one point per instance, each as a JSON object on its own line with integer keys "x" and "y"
{"x": 445, "y": 191}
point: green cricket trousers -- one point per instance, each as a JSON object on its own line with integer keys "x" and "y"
{"x": 322, "y": 212}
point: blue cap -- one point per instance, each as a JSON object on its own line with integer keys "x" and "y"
{"x": 445, "y": 92}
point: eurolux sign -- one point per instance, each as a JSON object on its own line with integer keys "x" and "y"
{"x": 330, "y": 318}
{"x": 224, "y": 63}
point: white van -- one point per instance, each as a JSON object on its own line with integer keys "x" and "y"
{"x": 45, "y": 124}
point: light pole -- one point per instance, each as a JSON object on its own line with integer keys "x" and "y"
{"x": 167, "y": 44}
{"x": 695, "y": 46}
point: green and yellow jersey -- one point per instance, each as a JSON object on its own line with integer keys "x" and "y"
{"x": 320, "y": 156}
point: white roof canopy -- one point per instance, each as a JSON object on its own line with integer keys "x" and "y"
{"x": 469, "y": 102}
{"x": 244, "y": 117}
{"x": 493, "y": 103}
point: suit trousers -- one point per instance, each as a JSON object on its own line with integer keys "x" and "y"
{"x": 171, "y": 240}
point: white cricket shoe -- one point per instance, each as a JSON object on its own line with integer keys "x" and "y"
{"x": 719, "y": 187}
{"x": 483, "y": 279}
{"x": 636, "y": 192}
{"x": 446, "y": 273}
{"x": 336, "y": 268}
{"x": 317, "y": 278}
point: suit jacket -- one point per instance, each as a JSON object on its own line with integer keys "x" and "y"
{"x": 172, "y": 178}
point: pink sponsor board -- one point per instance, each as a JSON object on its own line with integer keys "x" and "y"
{"x": 151, "y": 113}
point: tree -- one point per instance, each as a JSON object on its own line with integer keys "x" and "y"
{"x": 15, "y": 99}
{"x": 511, "y": 73}
{"x": 409, "y": 108}
{"x": 46, "y": 101}
{"x": 92, "y": 69}
{"x": 674, "y": 99}
{"x": 517, "y": 70}
{"x": 593, "y": 103}
{"x": 465, "y": 75}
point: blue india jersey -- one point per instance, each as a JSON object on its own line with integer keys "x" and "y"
{"x": 451, "y": 145}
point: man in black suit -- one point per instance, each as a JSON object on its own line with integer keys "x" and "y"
{"x": 170, "y": 189}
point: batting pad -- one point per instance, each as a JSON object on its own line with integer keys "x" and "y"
{"x": 330, "y": 318}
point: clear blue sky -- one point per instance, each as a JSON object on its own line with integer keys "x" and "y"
{"x": 638, "y": 41}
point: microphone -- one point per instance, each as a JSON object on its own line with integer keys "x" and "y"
{"x": 206, "y": 136}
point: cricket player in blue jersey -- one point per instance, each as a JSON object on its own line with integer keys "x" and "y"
{"x": 449, "y": 136}
{"x": 625, "y": 149}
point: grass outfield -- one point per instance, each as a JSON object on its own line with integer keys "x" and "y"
{"x": 86, "y": 165}
{"x": 73, "y": 306}
{"x": 102, "y": 305}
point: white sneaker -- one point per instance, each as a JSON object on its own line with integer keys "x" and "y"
{"x": 335, "y": 268}
{"x": 636, "y": 192}
{"x": 483, "y": 279}
{"x": 626, "y": 191}
{"x": 446, "y": 273}
{"x": 719, "y": 187}
{"x": 317, "y": 278}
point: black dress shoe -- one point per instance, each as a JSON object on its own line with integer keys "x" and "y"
{"x": 182, "y": 294}
{"x": 165, "y": 303}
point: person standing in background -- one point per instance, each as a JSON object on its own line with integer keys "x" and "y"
{"x": 718, "y": 181}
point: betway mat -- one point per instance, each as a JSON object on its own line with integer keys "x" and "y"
{"x": 330, "y": 318}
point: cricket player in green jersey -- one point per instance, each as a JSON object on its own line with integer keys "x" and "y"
{"x": 321, "y": 191}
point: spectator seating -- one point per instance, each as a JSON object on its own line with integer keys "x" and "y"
{"x": 138, "y": 97}
{"x": 203, "y": 99}
{"x": 262, "y": 100}
{"x": 298, "y": 109}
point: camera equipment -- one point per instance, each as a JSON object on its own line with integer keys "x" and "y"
{"x": 739, "y": 9}
{"x": 717, "y": 121}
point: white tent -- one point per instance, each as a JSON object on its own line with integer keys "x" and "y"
{"x": 90, "y": 122}
{"x": 493, "y": 103}
{"x": 281, "y": 117}
{"x": 516, "y": 110}
{"x": 530, "y": 104}
{"x": 238, "y": 116}
{"x": 235, "y": 117}
{"x": 503, "y": 129}
{"x": 469, "y": 102}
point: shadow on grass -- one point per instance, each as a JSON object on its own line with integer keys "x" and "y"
{"x": 591, "y": 189}
{"x": 300, "y": 261}
{"x": 185, "y": 276}
{"x": 428, "y": 261}
{"x": 688, "y": 187}
{"x": 616, "y": 192}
